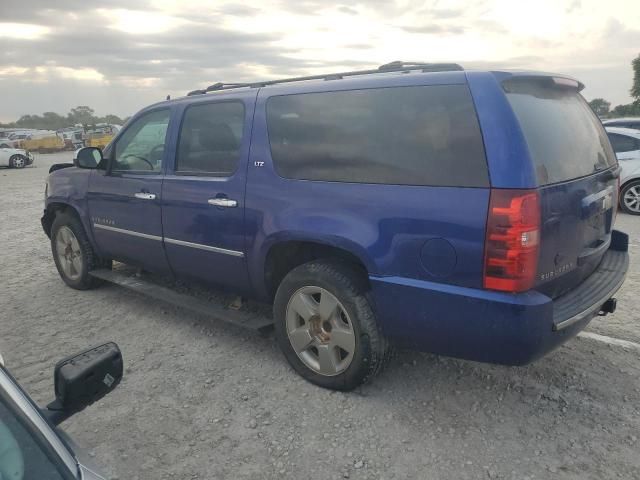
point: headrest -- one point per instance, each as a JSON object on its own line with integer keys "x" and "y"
{"x": 217, "y": 137}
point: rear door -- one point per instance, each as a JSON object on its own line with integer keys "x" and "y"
{"x": 577, "y": 172}
{"x": 203, "y": 197}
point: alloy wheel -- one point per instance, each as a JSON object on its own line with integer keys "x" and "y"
{"x": 320, "y": 330}
{"x": 69, "y": 253}
{"x": 632, "y": 198}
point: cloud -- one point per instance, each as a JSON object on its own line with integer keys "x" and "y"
{"x": 435, "y": 28}
{"x": 121, "y": 54}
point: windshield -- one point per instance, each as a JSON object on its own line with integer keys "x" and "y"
{"x": 565, "y": 139}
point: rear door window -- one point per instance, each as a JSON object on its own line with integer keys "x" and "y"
{"x": 210, "y": 139}
{"x": 565, "y": 138}
{"x": 424, "y": 135}
{"x": 623, "y": 143}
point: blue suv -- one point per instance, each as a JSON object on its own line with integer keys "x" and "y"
{"x": 465, "y": 213}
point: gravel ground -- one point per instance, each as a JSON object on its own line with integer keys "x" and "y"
{"x": 204, "y": 400}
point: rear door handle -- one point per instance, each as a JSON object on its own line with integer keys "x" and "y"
{"x": 145, "y": 196}
{"x": 222, "y": 202}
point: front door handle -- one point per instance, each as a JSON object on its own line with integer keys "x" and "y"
{"x": 222, "y": 202}
{"x": 145, "y": 196}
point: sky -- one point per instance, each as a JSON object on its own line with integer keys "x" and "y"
{"x": 118, "y": 56}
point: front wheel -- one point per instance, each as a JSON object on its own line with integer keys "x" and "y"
{"x": 73, "y": 254}
{"x": 18, "y": 161}
{"x": 326, "y": 327}
{"x": 630, "y": 198}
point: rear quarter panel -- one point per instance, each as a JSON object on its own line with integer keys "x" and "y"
{"x": 510, "y": 164}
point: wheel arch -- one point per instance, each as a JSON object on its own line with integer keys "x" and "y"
{"x": 284, "y": 255}
{"x": 56, "y": 206}
{"x": 627, "y": 181}
{"x": 54, "y": 209}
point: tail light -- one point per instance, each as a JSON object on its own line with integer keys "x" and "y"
{"x": 512, "y": 240}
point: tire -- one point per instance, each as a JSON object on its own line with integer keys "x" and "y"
{"x": 79, "y": 258}
{"x": 320, "y": 357}
{"x": 630, "y": 197}
{"x": 18, "y": 161}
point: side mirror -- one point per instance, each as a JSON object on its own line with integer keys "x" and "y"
{"x": 88, "y": 157}
{"x": 84, "y": 378}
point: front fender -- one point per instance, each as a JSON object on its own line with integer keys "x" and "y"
{"x": 67, "y": 188}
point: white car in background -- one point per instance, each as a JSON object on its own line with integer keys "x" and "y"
{"x": 625, "y": 122}
{"x": 15, "y": 158}
{"x": 626, "y": 144}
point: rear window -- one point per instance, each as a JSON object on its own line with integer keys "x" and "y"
{"x": 565, "y": 138}
{"x": 426, "y": 135}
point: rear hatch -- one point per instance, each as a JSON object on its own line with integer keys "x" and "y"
{"x": 577, "y": 173}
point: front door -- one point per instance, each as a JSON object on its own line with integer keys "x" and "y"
{"x": 203, "y": 194}
{"x": 124, "y": 201}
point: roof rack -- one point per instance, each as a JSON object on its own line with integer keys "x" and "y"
{"x": 396, "y": 66}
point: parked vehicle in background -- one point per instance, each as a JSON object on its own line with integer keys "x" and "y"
{"x": 100, "y": 135}
{"x": 626, "y": 144}
{"x": 73, "y": 137}
{"x": 464, "y": 213}
{"x": 31, "y": 447}
{"x": 13, "y": 140}
{"x": 44, "y": 143}
{"x": 630, "y": 122}
{"x": 15, "y": 158}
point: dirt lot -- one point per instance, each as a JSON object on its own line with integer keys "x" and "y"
{"x": 203, "y": 400}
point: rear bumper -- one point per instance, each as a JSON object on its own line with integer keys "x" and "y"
{"x": 487, "y": 326}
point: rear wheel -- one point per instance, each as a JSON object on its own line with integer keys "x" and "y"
{"x": 73, "y": 254}
{"x": 325, "y": 325}
{"x": 18, "y": 161}
{"x": 630, "y": 197}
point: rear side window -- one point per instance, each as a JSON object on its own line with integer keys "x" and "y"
{"x": 623, "y": 143}
{"x": 425, "y": 135}
{"x": 210, "y": 138}
{"x": 565, "y": 138}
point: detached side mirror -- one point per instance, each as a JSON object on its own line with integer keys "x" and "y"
{"x": 88, "y": 157}
{"x": 84, "y": 378}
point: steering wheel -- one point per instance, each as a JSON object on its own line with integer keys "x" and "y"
{"x": 159, "y": 148}
{"x": 140, "y": 158}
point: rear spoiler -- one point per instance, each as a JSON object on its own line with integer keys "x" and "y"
{"x": 547, "y": 80}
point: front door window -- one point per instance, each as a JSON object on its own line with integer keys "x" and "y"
{"x": 141, "y": 146}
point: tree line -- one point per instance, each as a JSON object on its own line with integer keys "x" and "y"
{"x": 52, "y": 121}
{"x": 602, "y": 107}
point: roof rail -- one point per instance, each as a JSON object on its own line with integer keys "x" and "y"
{"x": 396, "y": 66}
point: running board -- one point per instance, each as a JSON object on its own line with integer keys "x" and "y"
{"x": 136, "y": 284}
